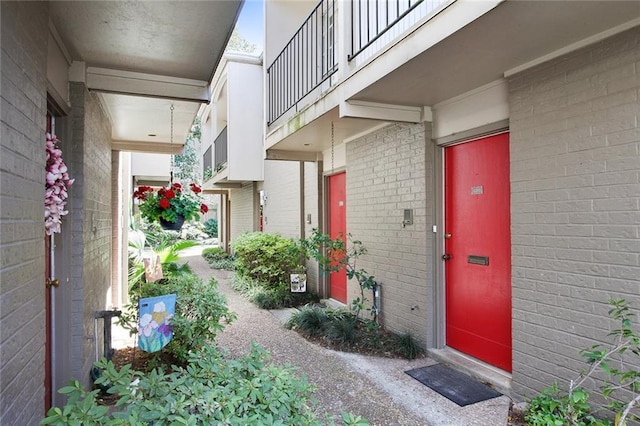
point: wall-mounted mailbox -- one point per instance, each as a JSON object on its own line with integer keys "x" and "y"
{"x": 478, "y": 260}
{"x": 407, "y": 217}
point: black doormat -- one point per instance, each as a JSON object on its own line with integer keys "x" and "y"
{"x": 452, "y": 384}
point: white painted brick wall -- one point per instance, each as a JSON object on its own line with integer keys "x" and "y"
{"x": 282, "y": 187}
{"x": 575, "y": 171}
{"x": 243, "y": 211}
{"x": 22, "y": 160}
{"x": 389, "y": 171}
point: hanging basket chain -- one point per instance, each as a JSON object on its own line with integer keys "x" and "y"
{"x": 332, "y": 146}
{"x": 171, "y": 145}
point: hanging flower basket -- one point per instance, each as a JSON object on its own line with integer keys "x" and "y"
{"x": 172, "y": 226}
{"x": 170, "y": 206}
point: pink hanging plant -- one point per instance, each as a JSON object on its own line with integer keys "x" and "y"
{"x": 57, "y": 182}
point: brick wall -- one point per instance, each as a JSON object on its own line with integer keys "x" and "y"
{"x": 312, "y": 203}
{"x": 575, "y": 166}
{"x": 243, "y": 211}
{"x": 90, "y": 217}
{"x": 22, "y": 161}
{"x": 282, "y": 187}
{"x": 388, "y": 171}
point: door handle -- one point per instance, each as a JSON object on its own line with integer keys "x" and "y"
{"x": 446, "y": 256}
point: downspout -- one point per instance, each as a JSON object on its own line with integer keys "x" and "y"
{"x": 302, "y": 207}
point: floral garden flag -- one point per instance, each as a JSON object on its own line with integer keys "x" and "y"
{"x": 154, "y": 327}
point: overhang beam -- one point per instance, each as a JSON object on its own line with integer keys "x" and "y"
{"x": 148, "y": 85}
{"x": 277, "y": 154}
{"x": 378, "y": 111}
{"x": 144, "y": 146}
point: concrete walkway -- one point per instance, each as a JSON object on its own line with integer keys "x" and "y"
{"x": 375, "y": 388}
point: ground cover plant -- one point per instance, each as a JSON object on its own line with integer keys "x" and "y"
{"x": 218, "y": 258}
{"x": 209, "y": 389}
{"x": 613, "y": 365}
{"x": 341, "y": 329}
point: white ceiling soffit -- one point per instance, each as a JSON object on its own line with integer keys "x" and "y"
{"x": 142, "y": 56}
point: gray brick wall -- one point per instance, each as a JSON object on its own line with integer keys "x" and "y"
{"x": 575, "y": 172}
{"x": 243, "y": 210}
{"x": 389, "y": 171}
{"x": 312, "y": 206}
{"x": 90, "y": 217}
{"x": 282, "y": 209}
{"x": 22, "y": 160}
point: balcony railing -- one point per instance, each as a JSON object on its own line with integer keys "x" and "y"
{"x": 220, "y": 151}
{"x": 370, "y": 19}
{"x": 307, "y": 61}
{"x": 207, "y": 170}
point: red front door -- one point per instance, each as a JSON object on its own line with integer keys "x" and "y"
{"x": 478, "y": 248}
{"x": 338, "y": 229}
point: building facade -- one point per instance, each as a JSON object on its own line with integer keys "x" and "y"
{"x": 486, "y": 154}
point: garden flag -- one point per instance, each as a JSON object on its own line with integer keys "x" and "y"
{"x": 154, "y": 327}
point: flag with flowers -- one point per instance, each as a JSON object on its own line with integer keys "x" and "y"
{"x": 170, "y": 204}
{"x": 154, "y": 328}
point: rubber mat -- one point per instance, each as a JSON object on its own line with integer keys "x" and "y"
{"x": 453, "y": 385}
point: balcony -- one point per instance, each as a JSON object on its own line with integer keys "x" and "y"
{"x": 232, "y": 126}
{"x": 319, "y": 47}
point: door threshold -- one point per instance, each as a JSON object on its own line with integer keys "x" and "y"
{"x": 333, "y": 303}
{"x": 498, "y": 379}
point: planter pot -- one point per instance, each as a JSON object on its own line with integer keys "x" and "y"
{"x": 172, "y": 226}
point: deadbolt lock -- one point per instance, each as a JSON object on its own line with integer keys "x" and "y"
{"x": 447, "y": 236}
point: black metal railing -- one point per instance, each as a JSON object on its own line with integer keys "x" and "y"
{"x": 207, "y": 161}
{"x": 370, "y": 19}
{"x": 307, "y": 60}
{"x": 220, "y": 150}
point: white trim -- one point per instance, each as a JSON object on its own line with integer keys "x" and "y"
{"x": 58, "y": 40}
{"x": 152, "y": 85}
{"x": 379, "y": 111}
{"x": 574, "y": 46}
{"x": 366, "y": 132}
{"x": 470, "y": 93}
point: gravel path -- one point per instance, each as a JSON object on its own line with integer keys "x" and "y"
{"x": 374, "y": 388}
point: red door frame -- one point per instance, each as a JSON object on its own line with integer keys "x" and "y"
{"x": 477, "y": 229}
{"x": 337, "y": 216}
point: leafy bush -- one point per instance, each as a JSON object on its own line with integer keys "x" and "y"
{"x": 211, "y": 227}
{"x": 266, "y": 297}
{"x": 200, "y": 312}
{"x": 214, "y": 253}
{"x": 266, "y": 258}
{"x": 209, "y": 390}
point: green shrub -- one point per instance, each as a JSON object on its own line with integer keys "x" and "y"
{"x": 270, "y": 297}
{"x": 266, "y": 258}
{"x": 210, "y": 390}
{"x": 211, "y": 227}
{"x": 408, "y": 347}
{"x": 310, "y": 320}
{"x": 214, "y": 253}
{"x": 201, "y": 312}
{"x": 342, "y": 331}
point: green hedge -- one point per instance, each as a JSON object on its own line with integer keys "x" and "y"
{"x": 266, "y": 258}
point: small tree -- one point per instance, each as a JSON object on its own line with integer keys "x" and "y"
{"x": 188, "y": 163}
